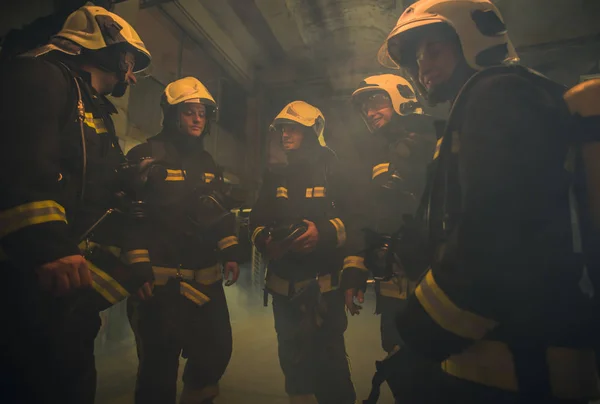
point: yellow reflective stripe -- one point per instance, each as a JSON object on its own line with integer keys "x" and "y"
{"x": 106, "y": 285}
{"x": 227, "y": 242}
{"x": 209, "y": 177}
{"x": 438, "y": 145}
{"x": 380, "y": 169}
{"x": 175, "y": 175}
{"x": 136, "y": 256}
{"x": 309, "y": 192}
{"x": 340, "y": 230}
{"x": 29, "y": 214}
{"x": 319, "y": 192}
{"x": 353, "y": 261}
{"x": 193, "y": 294}
{"x": 282, "y": 192}
{"x": 256, "y": 232}
{"x": 449, "y": 316}
{"x": 572, "y": 372}
{"x": 95, "y": 123}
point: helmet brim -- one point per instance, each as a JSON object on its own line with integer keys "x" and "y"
{"x": 405, "y": 33}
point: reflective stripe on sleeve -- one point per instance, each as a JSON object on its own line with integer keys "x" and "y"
{"x": 29, "y": 214}
{"x": 353, "y": 261}
{"x": 227, "y": 242}
{"x": 136, "y": 256}
{"x": 106, "y": 285}
{"x": 449, "y": 316}
{"x": 340, "y": 230}
{"x": 380, "y": 169}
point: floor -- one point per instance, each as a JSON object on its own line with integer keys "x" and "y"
{"x": 253, "y": 375}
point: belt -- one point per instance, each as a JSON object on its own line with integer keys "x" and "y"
{"x": 204, "y": 276}
{"x": 280, "y": 286}
{"x": 399, "y": 287}
{"x": 192, "y": 280}
{"x": 572, "y": 372}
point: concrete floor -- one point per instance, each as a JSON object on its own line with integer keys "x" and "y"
{"x": 253, "y": 375}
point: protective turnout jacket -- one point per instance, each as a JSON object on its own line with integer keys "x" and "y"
{"x": 504, "y": 282}
{"x": 397, "y": 164}
{"x": 56, "y": 184}
{"x": 314, "y": 188}
{"x": 184, "y": 233}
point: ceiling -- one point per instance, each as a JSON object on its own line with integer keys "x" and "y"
{"x": 325, "y": 47}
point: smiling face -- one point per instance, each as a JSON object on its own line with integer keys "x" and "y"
{"x": 377, "y": 110}
{"x": 436, "y": 60}
{"x": 192, "y": 119}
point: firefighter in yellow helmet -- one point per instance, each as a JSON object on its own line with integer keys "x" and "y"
{"x": 60, "y": 160}
{"x": 500, "y": 308}
{"x": 192, "y": 241}
{"x": 306, "y": 222}
{"x": 396, "y": 154}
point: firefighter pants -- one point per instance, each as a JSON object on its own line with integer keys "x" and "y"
{"x": 388, "y": 308}
{"x": 169, "y": 325}
{"x": 314, "y": 362}
{"x": 47, "y": 344}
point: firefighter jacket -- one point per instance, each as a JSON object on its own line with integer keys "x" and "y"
{"x": 177, "y": 239}
{"x": 59, "y": 169}
{"x": 504, "y": 267}
{"x": 314, "y": 187}
{"x": 397, "y": 164}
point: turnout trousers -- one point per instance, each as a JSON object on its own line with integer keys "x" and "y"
{"x": 313, "y": 355}
{"x": 168, "y": 326}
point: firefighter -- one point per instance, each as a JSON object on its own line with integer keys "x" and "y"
{"x": 306, "y": 222}
{"x": 500, "y": 309}
{"x": 60, "y": 157}
{"x": 397, "y": 165}
{"x": 192, "y": 233}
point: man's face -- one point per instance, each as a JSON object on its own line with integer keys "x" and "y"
{"x": 436, "y": 60}
{"x": 192, "y": 119}
{"x": 116, "y": 83}
{"x": 378, "y": 110}
{"x": 291, "y": 136}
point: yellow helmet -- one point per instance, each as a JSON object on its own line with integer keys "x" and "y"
{"x": 304, "y": 114}
{"x": 399, "y": 90}
{"x": 96, "y": 28}
{"x": 477, "y": 23}
{"x": 188, "y": 90}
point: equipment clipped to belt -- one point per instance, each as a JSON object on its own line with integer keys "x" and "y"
{"x": 407, "y": 248}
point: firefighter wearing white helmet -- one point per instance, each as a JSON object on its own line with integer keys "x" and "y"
{"x": 192, "y": 239}
{"x": 307, "y": 222}
{"x": 396, "y": 157}
{"x": 59, "y": 142}
{"x": 492, "y": 232}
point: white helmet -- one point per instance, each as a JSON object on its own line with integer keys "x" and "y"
{"x": 477, "y": 23}
{"x": 304, "y": 114}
